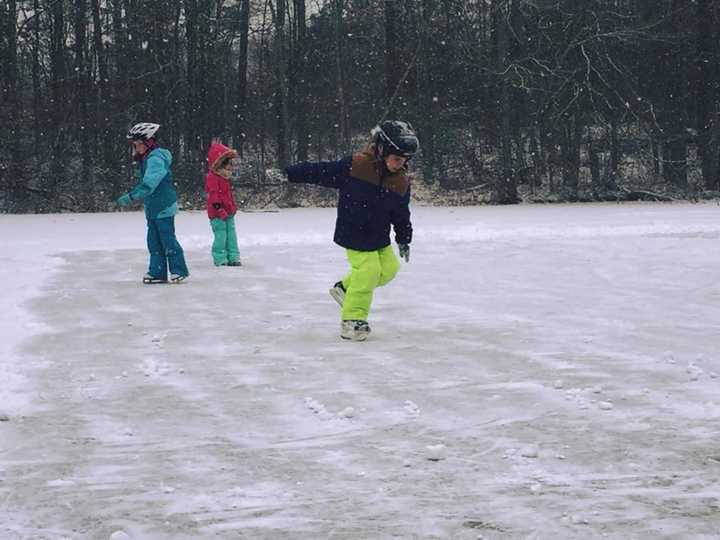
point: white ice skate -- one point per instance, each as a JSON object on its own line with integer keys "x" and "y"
{"x": 355, "y": 330}
{"x": 177, "y": 278}
{"x": 338, "y": 293}
{"x": 152, "y": 280}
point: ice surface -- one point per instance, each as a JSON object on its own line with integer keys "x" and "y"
{"x": 533, "y": 372}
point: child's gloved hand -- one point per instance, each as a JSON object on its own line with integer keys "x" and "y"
{"x": 222, "y": 214}
{"x": 124, "y": 200}
{"x": 404, "y": 250}
{"x": 276, "y": 176}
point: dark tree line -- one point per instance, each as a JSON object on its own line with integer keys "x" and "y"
{"x": 557, "y": 99}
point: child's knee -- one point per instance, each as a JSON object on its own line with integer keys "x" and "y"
{"x": 389, "y": 271}
{"x": 373, "y": 273}
{"x": 367, "y": 275}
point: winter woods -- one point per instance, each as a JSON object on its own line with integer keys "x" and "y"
{"x": 544, "y": 99}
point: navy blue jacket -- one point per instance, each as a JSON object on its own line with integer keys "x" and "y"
{"x": 369, "y": 199}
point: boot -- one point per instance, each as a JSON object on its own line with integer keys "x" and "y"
{"x": 355, "y": 330}
{"x": 338, "y": 293}
{"x": 151, "y": 280}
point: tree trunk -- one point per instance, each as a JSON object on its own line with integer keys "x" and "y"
{"x": 241, "y": 104}
{"x": 102, "y": 94}
{"x": 343, "y": 141}
{"x": 10, "y": 70}
{"x": 299, "y": 84}
{"x": 675, "y": 163}
{"x": 281, "y": 90}
{"x": 506, "y": 183}
{"x": 205, "y": 126}
{"x": 82, "y": 121}
{"x": 100, "y": 53}
{"x": 58, "y": 70}
{"x": 11, "y": 104}
{"x": 120, "y": 94}
{"x": 262, "y": 127}
{"x": 427, "y": 91}
{"x": 393, "y": 67}
{"x": 119, "y": 39}
{"x": 594, "y": 162}
{"x": 706, "y": 73}
{"x": 37, "y": 91}
{"x": 194, "y": 123}
{"x": 538, "y": 160}
{"x": 572, "y": 132}
{"x": 615, "y": 156}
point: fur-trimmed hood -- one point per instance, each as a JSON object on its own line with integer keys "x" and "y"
{"x": 216, "y": 153}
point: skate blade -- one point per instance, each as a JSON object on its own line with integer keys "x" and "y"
{"x": 359, "y": 337}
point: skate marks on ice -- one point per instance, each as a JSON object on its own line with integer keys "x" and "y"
{"x": 622, "y": 368}
{"x": 226, "y": 406}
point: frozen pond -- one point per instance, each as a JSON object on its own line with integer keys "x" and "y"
{"x": 535, "y": 372}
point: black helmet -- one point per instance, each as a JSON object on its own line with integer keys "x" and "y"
{"x": 142, "y": 131}
{"x": 395, "y": 137}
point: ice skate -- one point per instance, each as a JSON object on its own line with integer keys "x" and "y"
{"x": 151, "y": 280}
{"x": 355, "y": 330}
{"x": 338, "y": 293}
{"x": 177, "y": 278}
{"x": 234, "y": 263}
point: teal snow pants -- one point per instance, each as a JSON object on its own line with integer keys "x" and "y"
{"x": 224, "y": 247}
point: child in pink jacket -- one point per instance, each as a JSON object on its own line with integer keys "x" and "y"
{"x": 221, "y": 206}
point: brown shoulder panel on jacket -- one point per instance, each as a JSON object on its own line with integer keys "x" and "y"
{"x": 366, "y": 168}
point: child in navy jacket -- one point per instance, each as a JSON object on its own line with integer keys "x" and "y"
{"x": 374, "y": 194}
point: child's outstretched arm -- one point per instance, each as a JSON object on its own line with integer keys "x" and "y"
{"x": 323, "y": 173}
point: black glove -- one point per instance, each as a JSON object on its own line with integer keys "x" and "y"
{"x": 404, "y": 250}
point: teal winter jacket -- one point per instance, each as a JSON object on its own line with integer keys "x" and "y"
{"x": 155, "y": 185}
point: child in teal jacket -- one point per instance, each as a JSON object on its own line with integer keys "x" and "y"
{"x": 155, "y": 188}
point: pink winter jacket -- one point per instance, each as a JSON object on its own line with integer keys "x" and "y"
{"x": 220, "y": 199}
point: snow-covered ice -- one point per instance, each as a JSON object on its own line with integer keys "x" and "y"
{"x": 533, "y": 372}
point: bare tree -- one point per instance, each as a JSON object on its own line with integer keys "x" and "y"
{"x": 241, "y": 104}
{"x": 298, "y": 74}
{"x": 505, "y": 185}
{"x": 707, "y": 115}
{"x": 392, "y": 53}
{"x": 563, "y": 98}
{"x": 343, "y": 141}
{"x": 281, "y": 82}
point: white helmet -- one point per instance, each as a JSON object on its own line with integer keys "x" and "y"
{"x": 142, "y": 131}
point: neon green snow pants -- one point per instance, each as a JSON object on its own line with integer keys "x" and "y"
{"x": 369, "y": 269}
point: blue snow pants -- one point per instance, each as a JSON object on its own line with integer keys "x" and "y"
{"x": 165, "y": 250}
